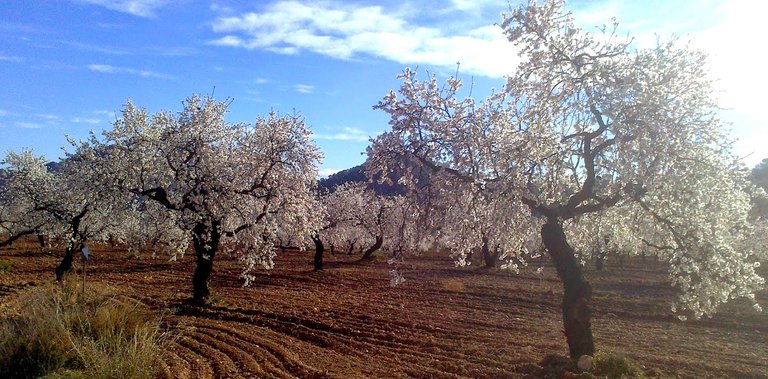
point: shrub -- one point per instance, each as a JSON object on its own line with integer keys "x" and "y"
{"x": 58, "y": 333}
{"x": 614, "y": 366}
{"x": 604, "y": 365}
{"x": 5, "y": 267}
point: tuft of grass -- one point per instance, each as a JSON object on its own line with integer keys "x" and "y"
{"x": 5, "y": 267}
{"x": 604, "y": 365}
{"x": 615, "y": 366}
{"x": 57, "y": 333}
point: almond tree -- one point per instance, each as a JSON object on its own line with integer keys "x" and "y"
{"x": 353, "y": 214}
{"x": 69, "y": 204}
{"x": 17, "y": 216}
{"x": 365, "y": 211}
{"x": 230, "y": 186}
{"x": 590, "y": 125}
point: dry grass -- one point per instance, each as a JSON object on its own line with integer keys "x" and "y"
{"x": 55, "y": 332}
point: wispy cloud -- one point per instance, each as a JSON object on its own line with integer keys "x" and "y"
{"x": 104, "y": 113}
{"x": 474, "y": 5}
{"x": 49, "y": 118}
{"x": 348, "y": 31}
{"x": 108, "y": 69}
{"x": 304, "y": 88}
{"x": 82, "y": 120}
{"x": 112, "y": 50}
{"x": 165, "y": 51}
{"x": 28, "y": 125}
{"x": 10, "y": 58}
{"x": 3, "y": 113}
{"x": 140, "y": 8}
{"x": 349, "y": 134}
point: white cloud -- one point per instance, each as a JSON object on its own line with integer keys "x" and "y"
{"x": 3, "y": 112}
{"x": 96, "y": 48}
{"x": 103, "y": 112}
{"x": 108, "y": 69}
{"x": 474, "y": 5}
{"x": 304, "y": 88}
{"x": 348, "y": 31}
{"x": 10, "y": 58}
{"x": 28, "y": 125}
{"x": 349, "y": 134}
{"x": 82, "y": 120}
{"x": 326, "y": 172}
{"x": 48, "y": 117}
{"x": 141, "y": 8}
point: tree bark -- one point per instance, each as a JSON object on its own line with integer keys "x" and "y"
{"x": 351, "y": 248}
{"x": 205, "y": 240}
{"x": 488, "y": 258}
{"x": 319, "y": 248}
{"x": 578, "y": 292}
{"x": 66, "y": 263}
{"x": 368, "y": 254}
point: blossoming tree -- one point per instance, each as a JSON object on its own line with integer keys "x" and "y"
{"x": 69, "y": 204}
{"x": 590, "y": 125}
{"x": 230, "y": 186}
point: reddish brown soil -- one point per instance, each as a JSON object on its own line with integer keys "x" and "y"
{"x": 446, "y": 322}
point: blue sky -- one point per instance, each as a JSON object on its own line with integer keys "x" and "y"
{"x": 67, "y": 67}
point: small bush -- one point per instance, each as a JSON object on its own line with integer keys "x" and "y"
{"x": 615, "y": 366}
{"x": 5, "y": 267}
{"x": 57, "y": 333}
{"x": 604, "y": 365}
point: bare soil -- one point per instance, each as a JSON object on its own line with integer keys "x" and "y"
{"x": 442, "y": 322}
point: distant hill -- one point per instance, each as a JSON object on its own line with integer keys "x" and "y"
{"x": 357, "y": 175}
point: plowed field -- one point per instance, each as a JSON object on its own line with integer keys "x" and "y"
{"x": 443, "y": 322}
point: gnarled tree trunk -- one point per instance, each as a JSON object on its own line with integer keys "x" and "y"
{"x": 72, "y": 247}
{"x": 205, "y": 240}
{"x": 578, "y": 292}
{"x": 66, "y": 263}
{"x": 368, "y": 254}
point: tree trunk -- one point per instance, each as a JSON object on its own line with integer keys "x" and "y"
{"x": 205, "y": 241}
{"x": 319, "y": 248}
{"x": 600, "y": 261}
{"x": 578, "y": 292}
{"x": 375, "y": 247}
{"x": 351, "y": 248}
{"x": 66, "y": 263}
{"x": 488, "y": 258}
{"x": 41, "y": 240}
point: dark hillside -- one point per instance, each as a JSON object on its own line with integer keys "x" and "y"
{"x": 357, "y": 175}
